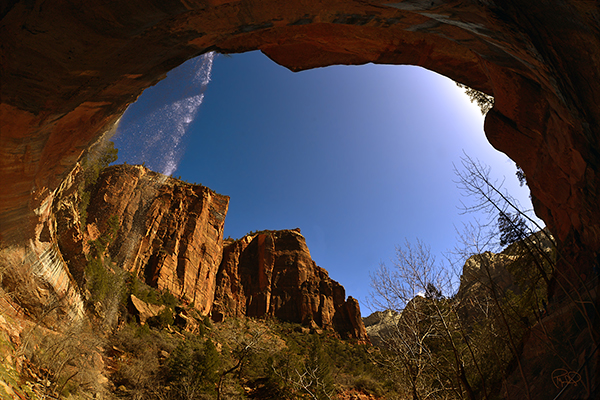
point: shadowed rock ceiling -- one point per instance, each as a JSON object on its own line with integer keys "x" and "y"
{"x": 70, "y": 68}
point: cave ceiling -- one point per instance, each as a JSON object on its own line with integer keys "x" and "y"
{"x": 70, "y": 69}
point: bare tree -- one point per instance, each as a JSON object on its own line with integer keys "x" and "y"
{"x": 536, "y": 246}
{"x": 308, "y": 375}
{"x": 311, "y": 382}
{"x": 247, "y": 345}
{"x": 541, "y": 275}
{"x": 457, "y": 345}
{"x": 425, "y": 342}
{"x": 59, "y": 359}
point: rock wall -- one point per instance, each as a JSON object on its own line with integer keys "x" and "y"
{"x": 37, "y": 279}
{"x": 36, "y": 274}
{"x": 170, "y": 232}
{"x": 69, "y": 70}
{"x": 272, "y": 274}
{"x": 68, "y": 73}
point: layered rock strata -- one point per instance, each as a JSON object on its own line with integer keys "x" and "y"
{"x": 170, "y": 233}
{"x": 272, "y": 274}
{"x": 37, "y": 274}
{"x": 68, "y": 72}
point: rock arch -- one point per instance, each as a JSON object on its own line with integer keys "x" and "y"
{"x": 69, "y": 71}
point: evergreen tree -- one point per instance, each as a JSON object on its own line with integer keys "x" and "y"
{"x": 512, "y": 228}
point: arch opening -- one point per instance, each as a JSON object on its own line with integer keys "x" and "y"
{"x": 358, "y": 157}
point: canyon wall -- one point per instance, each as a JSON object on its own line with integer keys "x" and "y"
{"x": 271, "y": 274}
{"x": 169, "y": 234}
{"x": 69, "y": 71}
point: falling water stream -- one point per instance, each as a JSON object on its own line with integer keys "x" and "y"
{"x": 152, "y": 129}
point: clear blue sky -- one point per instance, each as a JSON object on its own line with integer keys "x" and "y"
{"x": 358, "y": 157}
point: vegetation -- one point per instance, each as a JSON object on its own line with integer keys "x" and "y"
{"x": 238, "y": 359}
{"x": 258, "y": 232}
{"x": 484, "y": 101}
{"x": 449, "y": 341}
{"x": 464, "y": 342}
{"x": 264, "y": 231}
{"x": 103, "y": 279}
{"x": 92, "y": 164}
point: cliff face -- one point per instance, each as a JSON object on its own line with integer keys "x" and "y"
{"x": 379, "y": 324}
{"x": 170, "y": 233}
{"x": 68, "y": 72}
{"x": 273, "y": 274}
{"x": 37, "y": 274}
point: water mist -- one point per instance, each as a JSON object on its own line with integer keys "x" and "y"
{"x": 152, "y": 129}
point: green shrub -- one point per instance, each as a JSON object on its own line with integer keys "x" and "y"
{"x": 84, "y": 202}
{"x": 99, "y": 281}
{"x": 368, "y": 385}
{"x": 143, "y": 292}
{"x": 193, "y": 366}
{"x": 207, "y": 322}
{"x": 163, "y": 319}
{"x": 92, "y": 167}
{"x": 168, "y": 299}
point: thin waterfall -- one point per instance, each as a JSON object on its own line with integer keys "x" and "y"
{"x": 152, "y": 129}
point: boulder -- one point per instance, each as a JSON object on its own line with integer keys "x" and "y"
{"x": 142, "y": 310}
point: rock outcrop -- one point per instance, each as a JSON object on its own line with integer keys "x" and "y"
{"x": 170, "y": 233}
{"x": 37, "y": 274}
{"x": 379, "y": 324}
{"x": 271, "y": 274}
{"x": 143, "y": 311}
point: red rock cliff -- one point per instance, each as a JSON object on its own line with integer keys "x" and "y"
{"x": 273, "y": 274}
{"x": 69, "y": 70}
{"x": 170, "y": 234}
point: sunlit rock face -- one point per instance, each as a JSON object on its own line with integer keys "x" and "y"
{"x": 271, "y": 274}
{"x": 379, "y": 324}
{"x": 170, "y": 232}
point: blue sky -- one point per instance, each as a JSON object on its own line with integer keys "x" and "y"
{"x": 358, "y": 157}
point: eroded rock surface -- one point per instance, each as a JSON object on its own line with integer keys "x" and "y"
{"x": 69, "y": 72}
{"x": 273, "y": 274}
{"x": 378, "y": 325}
{"x": 170, "y": 233}
{"x": 142, "y": 310}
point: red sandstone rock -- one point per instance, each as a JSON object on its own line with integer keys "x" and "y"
{"x": 273, "y": 274}
{"x": 142, "y": 310}
{"x": 170, "y": 234}
{"x": 69, "y": 72}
